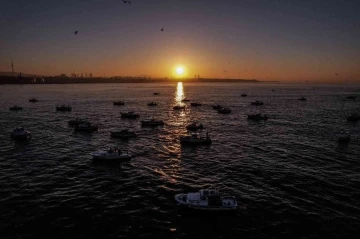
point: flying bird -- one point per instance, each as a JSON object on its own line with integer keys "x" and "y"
{"x": 336, "y": 74}
{"x": 162, "y": 29}
{"x": 76, "y": 32}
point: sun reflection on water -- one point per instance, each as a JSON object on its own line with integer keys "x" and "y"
{"x": 179, "y": 95}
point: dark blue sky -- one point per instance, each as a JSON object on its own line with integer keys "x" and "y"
{"x": 283, "y": 40}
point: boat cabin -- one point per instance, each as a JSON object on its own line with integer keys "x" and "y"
{"x": 209, "y": 192}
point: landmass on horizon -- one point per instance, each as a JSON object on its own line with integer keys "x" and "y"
{"x": 25, "y": 78}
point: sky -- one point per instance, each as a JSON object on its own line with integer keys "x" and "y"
{"x": 280, "y": 40}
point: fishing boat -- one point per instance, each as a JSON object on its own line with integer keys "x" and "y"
{"x": 152, "y": 104}
{"x": 124, "y": 134}
{"x": 20, "y": 134}
{"x": 86, "y": 127}
{"x": 344, "y": 138}
{"x": 33, "y": 100}
{"x": 119, "y": 103}
{"x": 110, "y": 154}
{"x": 302, "y": 99}
{"x": 179, "y": 107}
{"x": 130, "y": 115}
{"x": 224, "y": 111}
{"x": 257, "y": 102}
{"x": 195, "y": 104}
{"x": 194, "y": 126}
{"x": 156, "y": 93}
{"x": 208, "y": 200}
{"x": 63, "y": 108}
{"x": 76, "y": 122}
{"x": 15, "y": 108}
{"x": 195, "y": 139}
{"x": 351, "y": 97}
{"x": 244, "y": 95}
{"x": 217, "y": 107}
{"x": 257, "y": 117}
{"x": 354, "y": 117}
{"x": 151, "y": 122}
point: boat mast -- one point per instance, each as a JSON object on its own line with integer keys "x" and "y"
{"x": 12, "y": 65}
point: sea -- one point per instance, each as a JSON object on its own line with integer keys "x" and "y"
{"x": 290, "y": 175}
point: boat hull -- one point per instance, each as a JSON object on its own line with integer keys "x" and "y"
{"x": 191, "y": 142}
{"x": 109, "y": 157}
{"x": 181, "y": 201}
{"x": 21, "y": 137}
{"x": 122, "y": 136}
{"x": 86, "y": 129}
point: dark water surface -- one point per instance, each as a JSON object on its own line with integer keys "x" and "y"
{"x": 291, "y": 177}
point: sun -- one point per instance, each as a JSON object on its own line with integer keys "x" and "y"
{"x": 180, "y": 70}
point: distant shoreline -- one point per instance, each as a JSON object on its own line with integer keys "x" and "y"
{"x": 99, "y": 80}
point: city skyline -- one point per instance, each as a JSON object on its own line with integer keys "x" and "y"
{"x": 278, "y": 40}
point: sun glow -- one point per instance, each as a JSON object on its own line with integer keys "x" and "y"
{"x": 180, "y": 70}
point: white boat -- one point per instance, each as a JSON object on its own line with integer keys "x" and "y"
{"x": 207, "y": 199}
{"x": 111, "y": 154}
{"x": 20, "y": 133}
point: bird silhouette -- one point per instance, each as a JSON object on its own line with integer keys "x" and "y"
{"x": 76, "y": 32}
{"x": 336, "y": 74}
{"x": 162, "y": 29}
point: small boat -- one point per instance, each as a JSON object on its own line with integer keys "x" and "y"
{"x": 15, "y": 108}
{"x": 151, "y": 122}
{"x": 33, "y": 100}
{"x": 224, "y": 111}
{"x": 244, "y": 95}
{"x": 63, "y": 108}
{"x": 156, "y": 93}
{"x": 76, "y": 122}
{"x": 344, "y": 138}
{"x": 257, "y": 117}
{"x": 195, "y": 104}
{"x": 130, "y": 115}
{"x": 86, "y": 127}
{"x": 354, "y": 117}
{"x": 20, "y": 134}
{"x": 119, "y": 103}
{"x": 194, "y": 126}
{"x": 302, "y": 99}
{"x": 207, "y": 199}
{"x": 124, "y": 134}
{"x": 111, "y": 154}
{"x": 217, "y": 107}
{"x": 185, "y": 100}
{"x": 195, "y": 139}
{"x": 179, "y": 107}
{"x": 152, "y": 104}
{"x": 257, "y": 102}
{"x": 351, "y": 97}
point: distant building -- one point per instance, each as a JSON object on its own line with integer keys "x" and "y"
{"x": 90, "y": 75}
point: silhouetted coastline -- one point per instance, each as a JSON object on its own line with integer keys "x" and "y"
{"x": 94, "y": 80}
